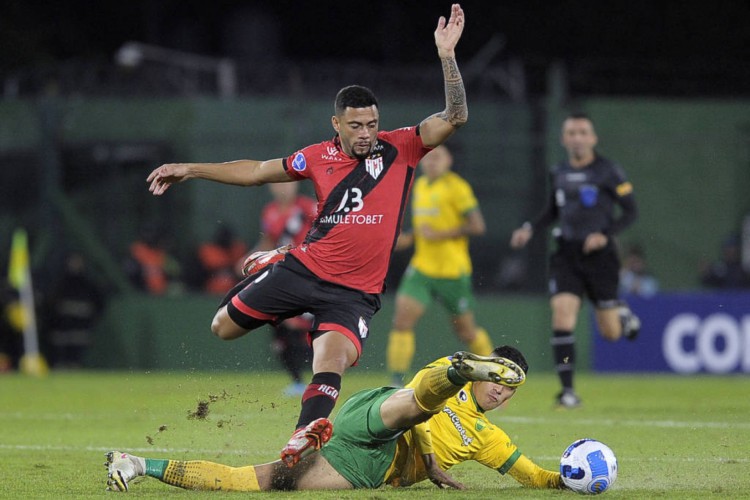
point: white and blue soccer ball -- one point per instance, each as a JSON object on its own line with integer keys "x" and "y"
{"x": 588, "y": 466}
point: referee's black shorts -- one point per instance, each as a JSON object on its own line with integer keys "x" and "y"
{"x": 287, "y": 289}
{"x": 595, "y": 275}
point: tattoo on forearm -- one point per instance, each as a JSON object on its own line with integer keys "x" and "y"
{"x": 450, "y": 69}
{"x": 456, "y": 111}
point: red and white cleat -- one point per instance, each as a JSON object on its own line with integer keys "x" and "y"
{"x": 306, "y": 440}
{"x": 257, "y": 261}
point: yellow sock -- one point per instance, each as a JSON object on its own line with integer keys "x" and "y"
{"x": 482, "y": 344}
{"x": 203, "y": 475}
{"x": 400, "y": 352}
{"x": 435, "y": 387}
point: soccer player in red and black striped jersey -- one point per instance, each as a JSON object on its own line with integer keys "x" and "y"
{"x": 362, "y": 178}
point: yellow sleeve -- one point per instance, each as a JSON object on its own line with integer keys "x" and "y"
{"x": 464, "y": 198}
{"x": 422, "y": 437}
{"x": 531, "y": 475}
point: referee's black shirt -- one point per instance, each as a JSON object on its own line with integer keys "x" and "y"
{"x": 583, "y": 200}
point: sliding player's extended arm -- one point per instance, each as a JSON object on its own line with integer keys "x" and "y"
{"x": 531, "y": 475}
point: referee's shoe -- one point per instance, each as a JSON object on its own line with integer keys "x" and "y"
{"x": 631, "y": 324}
{"x": 567, "y": 399}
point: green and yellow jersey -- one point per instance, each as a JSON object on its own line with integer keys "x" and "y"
{"x": 461, "y": 432}
{"x": 441, "y": 204}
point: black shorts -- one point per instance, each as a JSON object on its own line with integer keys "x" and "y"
{"x": 287, "y": 289}
{"x": 596, "y": 275}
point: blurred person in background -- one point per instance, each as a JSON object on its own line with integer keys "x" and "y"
{"x": 584, "y": 191}
{"x": 362, "y": 179}
{"x": 285, "y": 220}
{"x": 217, "y": 261}
{"x": 727, "y": 272}
{"x": 150, "y": 266}
{"x": 445, "y": 213}
{"x": 73, "y": 307}
{"x": 635, "y": 278}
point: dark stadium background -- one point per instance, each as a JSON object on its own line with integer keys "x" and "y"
{"x": 704, "y": 42}
{"x": 667, "y": 82}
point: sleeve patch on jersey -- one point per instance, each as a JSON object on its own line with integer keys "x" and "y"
{"x": 624, "y": 189}
{"x": 299, "y": 163}
{"x": 509, "y": 463}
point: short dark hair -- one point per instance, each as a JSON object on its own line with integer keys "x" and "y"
{"x": 578, "y": 115}
{"x": 513, "y": 354}
{"x": 354, "y": 96}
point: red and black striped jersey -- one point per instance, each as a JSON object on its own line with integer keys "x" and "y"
{"x": 361, "y": 206}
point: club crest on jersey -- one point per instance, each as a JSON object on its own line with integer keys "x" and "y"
{"x": 374, "y": 166}
{"x": 299, "y": 163}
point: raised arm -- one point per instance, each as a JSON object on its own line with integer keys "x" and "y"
{"x": 437, "y": 128}
{"x": 240, "y": 172}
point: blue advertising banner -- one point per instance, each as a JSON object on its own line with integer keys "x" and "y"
{"x": 682, "y": 333}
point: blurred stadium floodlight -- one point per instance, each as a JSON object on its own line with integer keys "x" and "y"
{"x": 133, "y": 54}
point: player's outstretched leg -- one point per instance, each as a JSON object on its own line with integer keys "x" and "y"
{"x": 306, "y": 440}
{"x": 121, "y": 469}
{"x": 201, "y": 475}
{"x": 488, "y": 369}
{"x": 441, "y": 381}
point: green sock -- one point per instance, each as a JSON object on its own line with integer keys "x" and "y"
{"x": 155, "y": 467}
{"x": 456, "y": 378}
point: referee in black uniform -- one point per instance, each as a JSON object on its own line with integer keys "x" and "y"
{"x": 584, "y": 191}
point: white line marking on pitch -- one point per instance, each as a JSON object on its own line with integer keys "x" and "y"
{"x": 605, "y": 422}
{"x": 198, "y": 452}
{"x": 602, "y": 422}
{"x": 151, "y": 450}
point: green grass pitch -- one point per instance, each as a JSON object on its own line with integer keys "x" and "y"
{"x": 675, "y": 437}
